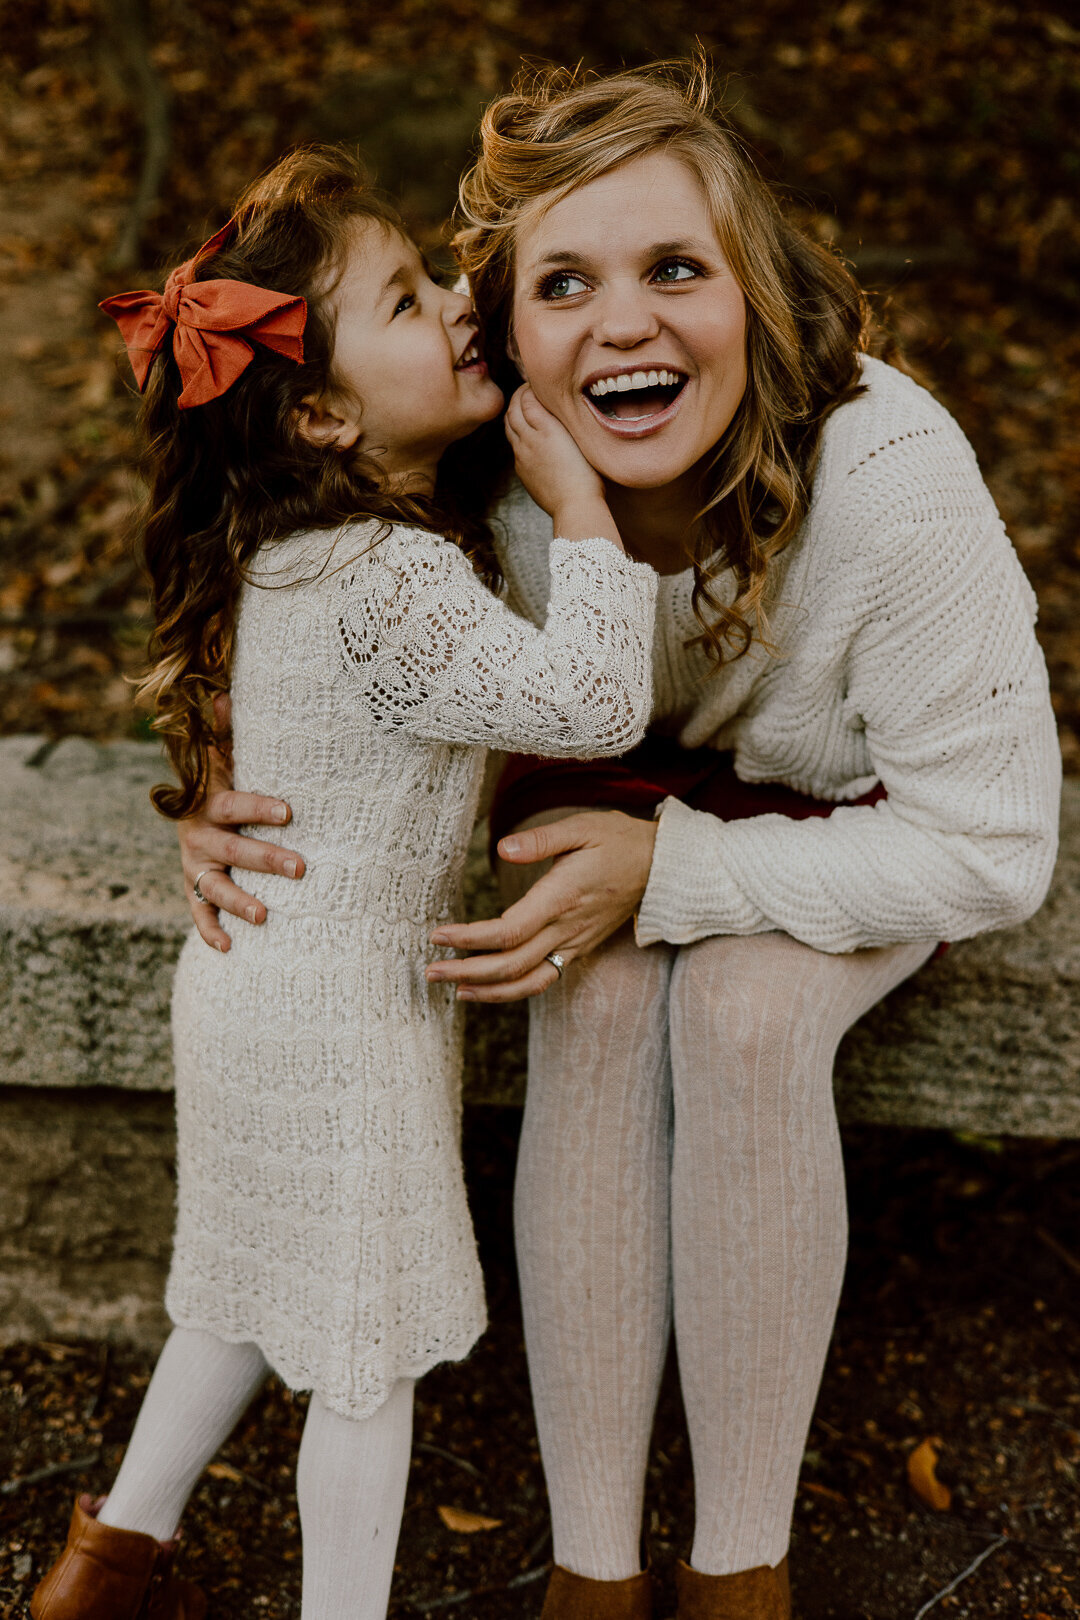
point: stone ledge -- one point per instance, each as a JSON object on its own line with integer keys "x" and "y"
{"x": 92, "y": 918}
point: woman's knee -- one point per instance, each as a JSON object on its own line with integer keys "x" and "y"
{"x": 605, "y": 1023}
{"x": 769, "y": 993}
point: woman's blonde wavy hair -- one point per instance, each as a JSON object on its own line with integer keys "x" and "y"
{"x": 807, "y": 319}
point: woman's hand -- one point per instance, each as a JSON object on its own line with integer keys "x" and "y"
{"x": 555, "y": 472}
{"x": 598, "y": 876}
{"x": 209, "y": 844}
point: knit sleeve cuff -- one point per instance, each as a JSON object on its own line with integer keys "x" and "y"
{"x": 690, "y": 894}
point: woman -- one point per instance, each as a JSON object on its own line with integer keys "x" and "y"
{"x": 842, "y": 627}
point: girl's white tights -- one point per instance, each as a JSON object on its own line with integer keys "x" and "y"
{"x": 680, "y": 1141}
{"x": 351, "y": 1476}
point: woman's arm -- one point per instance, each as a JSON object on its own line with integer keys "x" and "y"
{"x": 949, "y": 686}
{"x": 948, "y": 683}
{"x": 210, "y": 843}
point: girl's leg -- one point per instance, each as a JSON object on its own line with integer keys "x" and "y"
{"x": 350, "y": 1481}
{"x": 200, "y": 1388}
{"x": 759, "y": 1223}
{"x": 591, "y": 1219}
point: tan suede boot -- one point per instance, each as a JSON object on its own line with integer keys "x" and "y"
{"x": 575, "y": 1597}
{"x": 752, "y": 1594}
{"x": 109, "y": 1574}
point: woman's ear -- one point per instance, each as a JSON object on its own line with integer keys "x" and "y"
{"x": 326, "y": 426}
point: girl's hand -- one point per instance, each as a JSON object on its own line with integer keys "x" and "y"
{"x": 555, "y": 472}
{"x": 210, "y": 844}
{"x": 599, "y": 874}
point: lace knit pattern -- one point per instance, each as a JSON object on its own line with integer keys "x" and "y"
{"x": 322, "y": 1212}
{"x": 906, "y": 654}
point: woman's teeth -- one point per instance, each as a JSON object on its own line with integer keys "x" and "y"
{"x": 469, "y": 358}
{"x": 632, "y": 396}
{"x": 628, "y": 380}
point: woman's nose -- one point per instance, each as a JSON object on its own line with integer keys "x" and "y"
{"x": 624, "y": 317}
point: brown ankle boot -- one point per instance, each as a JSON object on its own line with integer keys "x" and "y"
{"x": 109, "y": 1574}
{"x": 752, "y": 1594}
{"x": 575, "y": 1597}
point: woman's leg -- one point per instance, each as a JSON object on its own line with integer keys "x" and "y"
{"x": 350, "y": 1481}
{"x": 759, "y": 1222}
{"x": 200, "y": 1388}
{"x": 591, "y": 1219}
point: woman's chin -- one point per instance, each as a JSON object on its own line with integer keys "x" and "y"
{"x": 641, "y": 465}
{"x": 639, "y": 460}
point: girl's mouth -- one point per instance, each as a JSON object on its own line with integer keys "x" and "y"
{"x": 635, "y": 402}
{"x": 472, "y": 359}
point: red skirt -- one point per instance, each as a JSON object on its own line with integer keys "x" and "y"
{"x": 637, "y": 782}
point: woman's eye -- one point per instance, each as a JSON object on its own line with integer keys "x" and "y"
{"x": 675, "y": 270}
{"x": 405, "y": 303}
{"x": 563, "y": 284}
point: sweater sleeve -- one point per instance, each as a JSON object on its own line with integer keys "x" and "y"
{"x": 946, "y": 679}
{"x": 437, "y": 656}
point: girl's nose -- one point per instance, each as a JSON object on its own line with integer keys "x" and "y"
{"x": 624, "y": 317}
{"x": 458, "y": 308}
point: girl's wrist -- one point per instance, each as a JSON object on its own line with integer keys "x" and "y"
{"x": 586, "y": 519}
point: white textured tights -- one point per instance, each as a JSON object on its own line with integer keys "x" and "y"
{"x": 680, "y": 1139}
{"x": 200, "y": 1390}
{"x": 350, "y": 1478}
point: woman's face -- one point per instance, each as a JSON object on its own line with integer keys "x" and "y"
{"x": 628, "y": 323}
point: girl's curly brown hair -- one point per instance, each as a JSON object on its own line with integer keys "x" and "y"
{"x": 229, "y": 476}
{"x": 807, "y": 319}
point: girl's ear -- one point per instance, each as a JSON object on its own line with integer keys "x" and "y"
{"x": 512, "y": 350}
{"x": 326, "y": 426}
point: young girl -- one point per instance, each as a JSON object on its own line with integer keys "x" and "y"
{"x": 303, "y": 377}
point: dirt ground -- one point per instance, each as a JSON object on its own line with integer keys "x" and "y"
{"x": 959, "y": 1322}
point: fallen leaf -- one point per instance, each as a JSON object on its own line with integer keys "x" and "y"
{"x": 220, "y": 1470}
{"x": 922, "y": 1476}
{"x": 466, "y": 1523}
{"x": 821, "y": 1490}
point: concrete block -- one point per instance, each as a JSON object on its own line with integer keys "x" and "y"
{"x": 86, "y": 1213}
{"x": 92, "y": 917}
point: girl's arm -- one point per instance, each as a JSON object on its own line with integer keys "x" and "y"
{"x": 439, "y": 657}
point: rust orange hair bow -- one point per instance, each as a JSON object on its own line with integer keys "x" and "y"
{"x": 212, "y": 322}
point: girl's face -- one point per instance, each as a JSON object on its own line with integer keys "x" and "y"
{"x": 405, "y": 354}
{"x": 628, "y": 323}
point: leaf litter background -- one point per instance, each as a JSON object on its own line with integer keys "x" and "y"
{"x": 938, "y": 148}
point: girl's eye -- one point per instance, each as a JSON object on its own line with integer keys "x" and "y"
{"x": 672, "y": 271}
{"x": 404, "y": 303}
{"x": 562, "y": 284}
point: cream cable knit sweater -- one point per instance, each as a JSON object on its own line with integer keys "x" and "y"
{"x": 322, "y": 1211}
{"x": 905, "y": 653}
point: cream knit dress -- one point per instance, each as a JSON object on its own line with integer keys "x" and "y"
{"x": 322, "y": 1211}
{"x": 905, "y": 653}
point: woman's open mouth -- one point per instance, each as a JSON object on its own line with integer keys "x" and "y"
{"x": 637, "y": 401}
